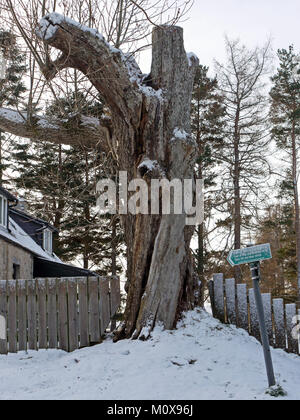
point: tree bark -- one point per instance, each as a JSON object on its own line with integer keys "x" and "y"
{"x": 237, "y": 192}
{"x": 160, "y": 265}
{"x": 296, "y": 204}
{"x": 146, "y": 117}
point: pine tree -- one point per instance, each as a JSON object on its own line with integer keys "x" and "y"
{"x": 60, "y": 184}
{"x": 208, "y": 128}
{"x": 285, "y": 118}
{"x": 11, "y": 87}
{"x": 280, "y": 273}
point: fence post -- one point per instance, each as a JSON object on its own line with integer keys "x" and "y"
{"x": 254, "y": 322}
{"x": 267, "y": 304}
{"x": 3, "y": 314}
{"x": 230, "y": 290}
{"x": 219, "y": 297}
{"x": 280, "y": 333}
{"x": 291, "y": 312}
{"x": 242, "y": 307}
{"x": 212, "y": 297}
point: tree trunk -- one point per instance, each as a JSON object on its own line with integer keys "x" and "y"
{"x": 296, "y": 203}
{"x": 237, "y": 194}
{"x": 200, "y": 235}
{"x": 150, "y": 119}
{"x": 160, "y": 264}
{"x": 1, "y": 160}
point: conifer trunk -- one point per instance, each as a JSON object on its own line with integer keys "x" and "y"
{"x": 296, "y": 204}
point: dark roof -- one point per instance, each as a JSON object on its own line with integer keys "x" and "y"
{"x": 28, "y": 218}
{"x": 8, "y": 195}
{"x": 33, "y": 227}
{"x": 45, "y": 268}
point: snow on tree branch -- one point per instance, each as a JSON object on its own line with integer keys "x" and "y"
{"x": 77, "y": 130}
{"x": 114, "y": 74}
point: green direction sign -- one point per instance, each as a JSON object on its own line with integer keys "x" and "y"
{"x": 250, "y": 255}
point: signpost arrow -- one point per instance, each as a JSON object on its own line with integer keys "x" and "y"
{"x": 250, "y": 255}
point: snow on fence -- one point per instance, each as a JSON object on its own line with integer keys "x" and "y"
{"x": 64, "y": 314}
{"x": 233, "y": 305}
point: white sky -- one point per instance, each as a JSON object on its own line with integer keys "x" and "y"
{"x": 253, "y": 21}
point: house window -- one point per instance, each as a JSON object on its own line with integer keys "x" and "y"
{"x": 47, "y": 241}
{"x": 16, "y": 271}
{"x": 3, "y": 211}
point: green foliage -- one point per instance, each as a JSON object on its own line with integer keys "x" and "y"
{"x": 60, "y": 185}
{"x": 280, "y": 273}
{"x": 285, "y": 98}
{"x": 276, "y": 391}
{"x": 11, "y": 87}
{"x": 207, "y": 121}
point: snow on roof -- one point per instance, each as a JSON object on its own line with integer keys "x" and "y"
{"x": 17, "y": 235}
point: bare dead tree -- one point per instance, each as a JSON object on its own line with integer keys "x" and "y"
{"x": 242, "y": 83}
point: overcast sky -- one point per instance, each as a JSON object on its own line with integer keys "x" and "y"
{"x": 253, "y": 21}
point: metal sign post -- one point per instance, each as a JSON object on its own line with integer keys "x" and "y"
{"x": 252, "y": 255}
{"x": 255, "y": 273}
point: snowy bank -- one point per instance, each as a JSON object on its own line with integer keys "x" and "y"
{"x": 202, "y": 359}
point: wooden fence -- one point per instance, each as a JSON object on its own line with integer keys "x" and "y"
{"x": 65, "y": 314}
{"x": 233, "y": 304}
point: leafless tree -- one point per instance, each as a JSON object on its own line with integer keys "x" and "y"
{"x": 242, "y": 82}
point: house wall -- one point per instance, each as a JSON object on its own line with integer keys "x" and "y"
{"x": 11, "y": 254}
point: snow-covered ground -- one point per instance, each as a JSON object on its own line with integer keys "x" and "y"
{"x": 202, "y": 359}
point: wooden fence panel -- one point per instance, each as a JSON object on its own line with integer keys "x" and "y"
{"x": 72, "y": 315}
{"x": 212, "y": 297}
{"x": 105, "y": 309}
{"x": 115, "y": 295}
{"x": 230, "y": 301}
{"x": 254, "y": 322}
{"x": 279, "y": 324}
{"x": 83, "y": 312}
{"x": 292, "y": 344}
{"x": 238, "y": 306}
{"x": 62, "y": 315}
{"x": 52, "y": 313}
{"x": 55, "y": 313}
{"x": 298, "y": 331}
{"x": 94, "y": 314}
{"x": 42, "y": 313}
{"x": 31, "y": 315}
{"x": 3, "y": 314}
{"x": 219, "y": 297}
{"x": 242, "y": 307}
{"x": 267, "y": 304}
{"x": 12, "y": 316}
{"x": 22, "y": 315}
